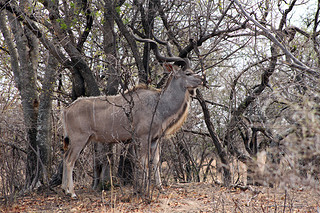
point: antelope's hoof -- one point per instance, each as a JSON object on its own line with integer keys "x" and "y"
{"x": 161, "y": 190}
{"x": 74, "y": 196}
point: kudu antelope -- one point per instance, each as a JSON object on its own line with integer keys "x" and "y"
{"x": 153, "y": 113}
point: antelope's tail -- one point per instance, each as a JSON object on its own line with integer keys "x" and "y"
{"x": 66, "y": 142}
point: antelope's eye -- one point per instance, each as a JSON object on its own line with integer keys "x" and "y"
{"x": 188, "y": 73}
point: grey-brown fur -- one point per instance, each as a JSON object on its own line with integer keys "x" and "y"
{"x": 143, "y": 113}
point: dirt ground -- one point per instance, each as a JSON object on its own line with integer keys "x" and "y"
{"x": 183, "y": 197}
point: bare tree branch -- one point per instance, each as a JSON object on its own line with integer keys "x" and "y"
{"x": 316, "y": 43}
{"x": 39, "y": 34}
{"x": 217, "y": 143}
{"x": 125, "y": 32}
{"x": 87, "y": 29}
{"x": 277, "y": 42}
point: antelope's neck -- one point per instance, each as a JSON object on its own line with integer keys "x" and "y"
{"x": 173, "y": 107}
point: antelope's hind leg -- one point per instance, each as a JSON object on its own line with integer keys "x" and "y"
{"x": 64, "y": 175}
{"x": 69, "y": 160}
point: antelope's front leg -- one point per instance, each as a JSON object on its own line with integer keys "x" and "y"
{"x": 142, "y": 169}
{"x": 155, "y": 151}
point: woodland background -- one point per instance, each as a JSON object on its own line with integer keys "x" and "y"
{"x": 256, "y": 123}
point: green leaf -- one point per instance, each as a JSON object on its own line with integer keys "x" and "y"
{"x": 118, "y": 10}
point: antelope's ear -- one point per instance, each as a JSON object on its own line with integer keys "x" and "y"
{"x": 168, "y": 68}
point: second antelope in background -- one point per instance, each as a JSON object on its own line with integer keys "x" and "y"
{"x": 142, "y": 114}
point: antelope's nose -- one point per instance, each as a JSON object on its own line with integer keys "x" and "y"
{"x": 201, "y": 78}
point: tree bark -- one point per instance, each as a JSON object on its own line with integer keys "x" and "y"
{"x": 24, "y": 63}
{"x": 103, "y": 157}
{"x": 44, "y": 115}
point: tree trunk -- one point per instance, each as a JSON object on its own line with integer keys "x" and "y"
{"x": 103, "y": 153}
{"x": 78, "y": 85}
{"x": 24, "y": 62}
{"x": 44, "y": 115}
{"x": 28, "y": 50}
